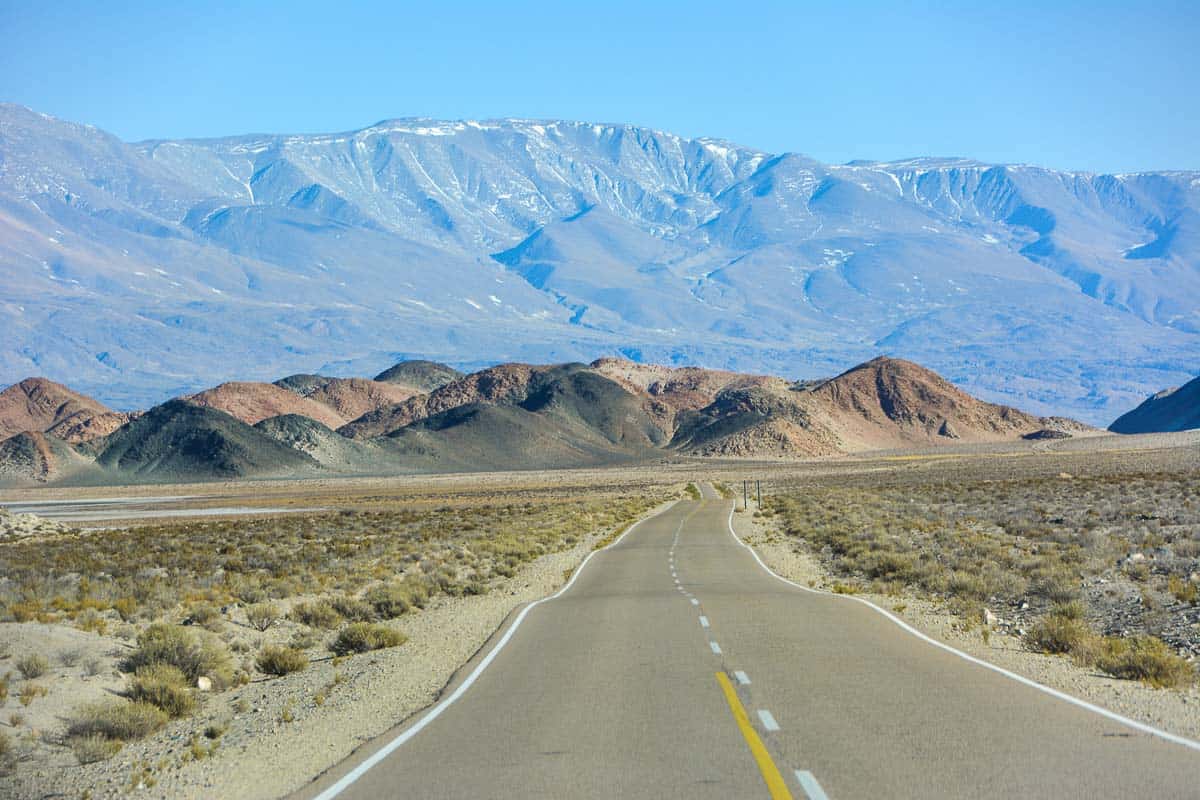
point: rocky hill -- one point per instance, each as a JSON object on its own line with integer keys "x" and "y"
{"x": 1172, "y": 410}
{"x": 181, "y": 441}
{"x": 419, "y": 376}
{"x": 349, "y": 398}
{"x": 36, "y": 457}
{"x": 526, "y": 416}
{"x": 253, "y": 402}
{"x": 38, "y": 404}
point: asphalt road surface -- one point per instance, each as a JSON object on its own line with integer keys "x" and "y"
{"x": 676, "y": 666}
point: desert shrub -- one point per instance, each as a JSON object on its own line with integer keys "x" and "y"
{"x": 693, "y": 491}
{"x": 1145, "y": 658}
{"x": 352, "y": 608}
{"x": 193, "y": 652}
{"x": 32, "y": 665}
{"x": 165, "y": 686}
{"x": 360, "y": 637}
{"x": 393, "y": 599}
{"x": 262, "y": 616}
{"x": 276, "y": 660}
{"x": 1184, "y": 591}
{"x": 1058, "y": 633}
{"x": 318, "y": 614}
{"x": 93, "y": 747}
{"x": 92, "y": 621}
{"x": 31, "y": 691}
{"x": 70, "y": 657}
{"x": 120, "y": 720}
{"x": 206, "y": 615}
{"x": 303, "y": 639}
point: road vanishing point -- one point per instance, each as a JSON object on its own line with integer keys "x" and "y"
{"x": 674, "y": 665}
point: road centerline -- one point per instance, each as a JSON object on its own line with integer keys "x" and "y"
{"x": 766, "y": 765}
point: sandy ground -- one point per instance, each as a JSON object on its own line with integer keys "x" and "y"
{"x": 260, "y": 755}
{"x": 1176, "y": 711}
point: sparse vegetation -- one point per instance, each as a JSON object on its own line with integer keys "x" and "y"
{"x": 262, "y": 616}
{"x": 361, "y": 637}
{"x": 1055, "y": 550}
{"x": 193, "y": 652}
{"x": 165, "y": 686}
{"x": 276, "y": 660}
{"x": 32, "y": 665}
{"x": 316, "y": 614}
{"x": 93, "y": 747}
{"x": 117, "y": 720}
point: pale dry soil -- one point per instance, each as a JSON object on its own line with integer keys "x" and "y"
{"x": 1174, "y": 710}
{"x": 260, "y": 754}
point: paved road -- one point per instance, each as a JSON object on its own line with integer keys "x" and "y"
{"x": 676, "y": 667}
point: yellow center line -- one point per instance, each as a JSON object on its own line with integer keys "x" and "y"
{"x": 770, "y": 773}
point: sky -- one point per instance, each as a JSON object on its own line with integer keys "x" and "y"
{"x": 1099, "y": 86}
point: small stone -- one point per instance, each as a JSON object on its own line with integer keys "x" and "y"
{"x": 204, "y": 683}
{"x": 989, "y": 618}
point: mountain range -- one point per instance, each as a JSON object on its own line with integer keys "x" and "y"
{"x": 141, "y": 271}
{"x": 425, "y": 417}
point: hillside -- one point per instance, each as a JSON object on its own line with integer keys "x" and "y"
{"x": 419, "y": 376}
{"x": 138, "y": 271}
{"x": 38, "y": 404}
{"x": 348, "y": 398}
{"x": 528, "y": 416}
{"x": 36, "y": 457}
{"x": 179, "y": 441}
{"x": 1172, "y": 410}
{"x": 253, "y": 402}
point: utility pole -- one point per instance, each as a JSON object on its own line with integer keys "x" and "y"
{"x": 745, "y": 495}
{"x": 758, "y": 487}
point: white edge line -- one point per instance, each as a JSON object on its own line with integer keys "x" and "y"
{"x": 808, "y": 782}
{"x": 1104, "y": 712}
{"x": 436, "y": 711}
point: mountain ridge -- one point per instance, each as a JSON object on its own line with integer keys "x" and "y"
{"x": 1000, "y": 276}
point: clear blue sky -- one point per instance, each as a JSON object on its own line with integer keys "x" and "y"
{"x": 1103, "y": 86}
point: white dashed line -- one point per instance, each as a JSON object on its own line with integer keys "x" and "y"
{"x": 695, "y": 602}
{"x": 716, "y": 648}
{"x": 742, "y": 678}
{"x": 808, "y": 782}
{"x": 703, "y": 622}
{"x": 768, "y": 721}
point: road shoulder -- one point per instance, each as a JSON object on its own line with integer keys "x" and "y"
{"x": 1175, "y": 711}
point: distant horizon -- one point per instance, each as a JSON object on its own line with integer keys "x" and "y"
{"x": 929, "y": 156}
{"x": 1096, "y": 87}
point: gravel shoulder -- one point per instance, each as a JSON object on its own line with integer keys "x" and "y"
{"x": 1173, "y": 710}
{"x": 276, "y": 735}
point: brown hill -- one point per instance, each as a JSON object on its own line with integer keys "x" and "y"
{"x": 889, "y": 402}
{"x": 690, "y": 388}
{"x": 38, "y": 404}
{"x": 350, "y": 398}
{"x": 504, "y": 384}
{"x": 254, "y": 402}
{"x": 84, "y": 426}
{"x": 35, "y": 457}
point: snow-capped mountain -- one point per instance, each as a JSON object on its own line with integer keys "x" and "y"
{"x": 138, "y": 270}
